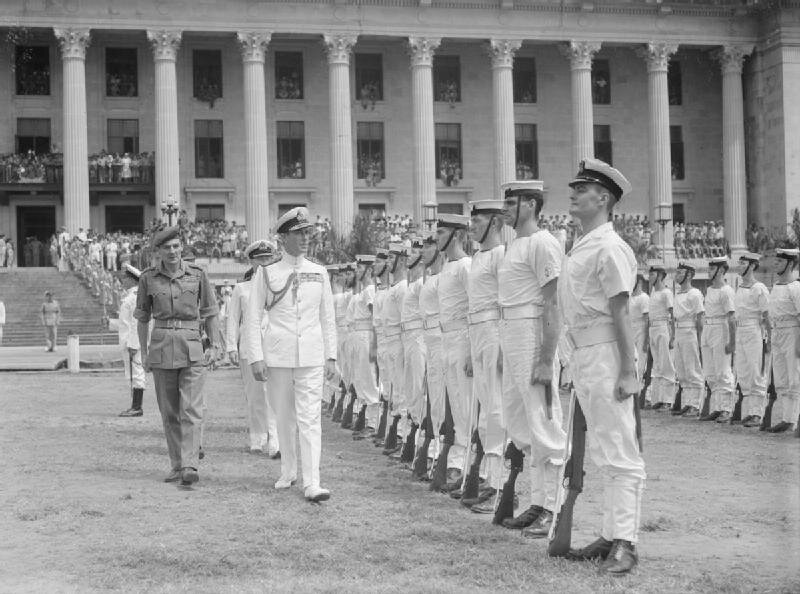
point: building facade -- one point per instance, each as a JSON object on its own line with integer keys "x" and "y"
{"x": 242, "y": 109}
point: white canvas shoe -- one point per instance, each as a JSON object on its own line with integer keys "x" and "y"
{"x": 283, "y": 483}
{"x": 317, "y": 494}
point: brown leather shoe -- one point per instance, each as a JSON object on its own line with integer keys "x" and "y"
{"x": 621, "y": 559}
{"x": 525, "y": 519}
{"x": 598, "y": 549}
{"x": 540, "y": 527}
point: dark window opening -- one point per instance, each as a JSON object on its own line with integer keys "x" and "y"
{"x": 121, "y": 72}
{"x": 291, "y": 150}
{"x": 524, "y": 80}
{"x": 208, "y": 154}
{"x": 288, "y": 75}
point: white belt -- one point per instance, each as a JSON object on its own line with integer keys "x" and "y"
{"x": 749, "y": 322}
{"x": 715, "y": 321}
{"x": 786, "y": 324}
{"x": 360, "y": 325}
{"x": 685, "y": 325}
{"x": 586, "y": 337}
{"x": 485, "y": 315}
{"x": 453, "y": 325}
{"x": 431, "y": 322}
{"x": 390, "y": 331}
{"x": 342, "y": 326}
{"x": 658, "y": 323}
{"x": 521, "y": 312}
{"x": 638, "y": 322}
{"x": 412, "y": 325}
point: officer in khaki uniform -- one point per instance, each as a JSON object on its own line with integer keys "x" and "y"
{"x": 178, "y": 297}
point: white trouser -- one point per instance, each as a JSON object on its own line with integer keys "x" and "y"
{"x": 134, "y": 373}
{"x": 261, "y": 422}
{"x": 363, "y": 374}
{"x": 383, "y": 365}
{"x": 342, "y": 357}
{"x": 717, "y": 367}
{"x": 435, "y": 377}
{"x": 414, "y": 353}
{"x": 525, "y": 408}
{"x": 662, "y": 384}
{"x": 640, "y": 342}
{"x": 394, "y": 365}
{"x": 487, "y": 383}
{"x": 786, "y": 370}
{"x": 296, "y": 395}
{"x": 748, "y": 364}
{"x": 611, "y": 439}
{"x": 688, "y": 369}
{"x": 455, "y": 352}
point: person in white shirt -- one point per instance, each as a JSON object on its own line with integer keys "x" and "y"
{"x": 530, "y": 328}
{"x": 341, "y": 302}
{"x": 261, "y": 422}
{"x": 111, "y": 255}
{"x": 753, "y": 332}
{"x": 2, "y": 320}
{"x": 392, "y": 325}
{"x": 297, "y": 350}
{"x": 414, "y": 351}
{"x": 129, "y": 342}
{"x": 380, "y": 272}
{"x": 688, "y": 313}
{"x": 662, "y": 385}
{"x": 784, "y": 313}
{"x": 719, "y": 342}
{"x": 451, "y": 230}
{"x": 593, "y": 291}
{"x": 640, "y": 313}
{"x": 484, "y": 316}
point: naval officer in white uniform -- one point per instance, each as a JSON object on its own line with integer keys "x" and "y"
{"x": 298, "y": 348}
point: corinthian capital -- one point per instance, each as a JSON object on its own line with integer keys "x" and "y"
{"x": 731, "y": 57}
{"x": 253, "y": 45}
{"x": 339, "y": 46}
{"x": 421, "y": 50}
{"x": 580, "y": 53}
{"x": 73, "y": 42}
{"x": 502, "y": 51}
{"x": 657, "y": 55}
{"x": 165, "y": 43}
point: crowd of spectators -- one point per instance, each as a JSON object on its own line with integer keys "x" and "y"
{"x": 104, "y": 168}
{"x": 214, "y": 239}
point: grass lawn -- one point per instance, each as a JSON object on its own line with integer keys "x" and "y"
{"x": 83, "y": 508}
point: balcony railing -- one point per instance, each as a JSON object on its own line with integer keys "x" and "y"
{"x": 49, "y": 169}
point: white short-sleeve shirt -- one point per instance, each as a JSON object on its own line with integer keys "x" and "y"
{"x": 482, "y": 279}
{"x": 529, "y": 264}
{"x": 393, "y": 303}
{"x": 688, "y": 304}
{"x": 720, "y": 302}
{"x": 784, "y": 300}
{"x": 410, "y": 310}
{"x": 429, "y": 296}
{"x": 660, "y": 304}
{"x": 453, "y": 300}
{"x": 751, "y": 302}
{"x": 639, "y": 306}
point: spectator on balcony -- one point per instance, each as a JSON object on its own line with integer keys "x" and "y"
{"x": 11, "y": 256}
{"x": 126, "y": 173}
{"x": 2, "y": 320}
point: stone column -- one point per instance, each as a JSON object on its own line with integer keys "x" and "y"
{"x": 580, "y": 55}
{"x": 505, "y": 161}
{"x": 73, "y": 44}
{"x": 657, "y": 55}
{"x": 165, "y": 44}
{"x": 734, "y": 175}
{"x": 256, "y": 164}
{"x": 339, "y": 47}
{"x": 421, "y": 50}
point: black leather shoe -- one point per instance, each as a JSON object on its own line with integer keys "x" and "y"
{"x": 189, "y": 476}
{"x": 456, "y": 494}
{"x": 621, "y": 559}
{"x": 452, "y": 486}
{"x": 691, "y": 412}
{"x": 365, "y": 433}
{"x": 683, "y": 411}
{"x": 525, "y": 519}
{"x": 780, "y": 427}
{"x": 752, "y": 421}
{"x": 724, "y": 417}
{"x": 712, "y": 416}
{"x": 484, "y": 494}
{"x": 173, "y": 477}
{"x": 540, "y": 527}
{"x": 131, "y": 412}
{"x": 201, "y": 454}
{"x": 598, "y": 549}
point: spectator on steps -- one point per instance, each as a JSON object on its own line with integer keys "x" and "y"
{"x": 2, "y": 320}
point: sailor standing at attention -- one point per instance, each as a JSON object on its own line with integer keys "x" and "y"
{"x": 298, "y": 348}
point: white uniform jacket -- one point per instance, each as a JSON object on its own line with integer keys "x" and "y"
{"x": 301, "y": 326}
{"x": 127, "y": 325}
{"x": 237, "y": 308}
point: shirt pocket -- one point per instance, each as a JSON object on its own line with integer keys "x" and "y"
{"x": 190, "y": 290}
{"x": 162, "y": 300}
{"x": 195, "y": 348}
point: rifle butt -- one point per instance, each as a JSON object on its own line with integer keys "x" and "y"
{"x": 505, "y": 507}
{"x": 439, "y": 475}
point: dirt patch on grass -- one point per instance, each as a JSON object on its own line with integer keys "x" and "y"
{"x": 83, "y": 509}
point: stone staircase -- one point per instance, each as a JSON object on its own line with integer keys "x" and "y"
{"x": 22, "y": 291}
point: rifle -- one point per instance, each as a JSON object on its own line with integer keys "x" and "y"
{"x": 469, "y": 489}
{"x": 347, "y": 418}
{"x": 763, "y": 357}
{"x": 561, "y": 529}
{"x": 361, "y": 419}
{"x": 419, "y": 468}
{"x": 448, "y": 433}
{"x": 706, "y": 402}
{"x": 390, "y": 445}
{"x": 648, "y": 378}
{"x": 736, "y": 417}
{"x": 339, "y": 410}
{"x": 548, "y": 400}
{"x": 505, "y": 507}
{"x": 676, "y": 404}
{"x": 407, "y": 455}
{"x": 766, "y": 422}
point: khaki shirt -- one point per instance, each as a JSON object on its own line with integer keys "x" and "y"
{"x": 186, "y": 295}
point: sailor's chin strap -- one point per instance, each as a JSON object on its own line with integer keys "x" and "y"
{"x": 786, "y": 267}
{"x": 394, "y": 266}
{"x": 746, "y": 270}
{"x": 449, "y": 239}
{"x": 489, "y": 226}
{"x": 415, "y": 262}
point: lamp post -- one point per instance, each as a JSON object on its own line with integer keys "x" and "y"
{"x": 663, "y": 216}
{"x": 169, "y": 208}
{"x": 429, "y": 213}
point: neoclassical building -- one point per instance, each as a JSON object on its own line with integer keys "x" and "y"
{"x": 240, "y": 109}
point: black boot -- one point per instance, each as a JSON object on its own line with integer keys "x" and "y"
{"x": 361, "y": 420}
{"x": 621, "y": 559}
{"x": 407, "y": 456}
{"x": 338, "y": 411}
{"x": 136, "y": 404}
{"x": 347, "y": 417}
